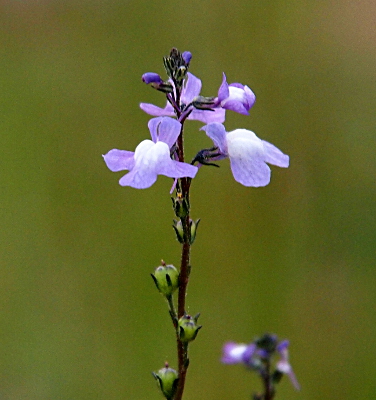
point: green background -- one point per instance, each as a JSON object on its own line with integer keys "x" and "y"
{"x": 80, "y": 317}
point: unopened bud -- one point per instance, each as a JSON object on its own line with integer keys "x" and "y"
{"x": 157, "y": 83}
{"x": 193, "y": 227}
{"x": 187, "y": 56}
{"x": 181, "y": 206}
{"x": 178, "y": 228}
{"x": 166, "y": 279}
{"x": 167, "y": 379}
{"x": 188, "y": 328}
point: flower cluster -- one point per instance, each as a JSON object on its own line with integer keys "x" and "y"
{"x": 248, "y": 154}
{"x": 258, "y": 355}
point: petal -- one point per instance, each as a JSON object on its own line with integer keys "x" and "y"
{"x": 235, "y": 105}
{"x": 207, "y": 116}
{"x": 251, "y": 97}
{"x": 250, "y": 172}
{"x": 282, "y": 346}
{"x": 275, "y": 156}
{"x": 246, "y": 153}
{"x": 249, "y": 353}
{"x": 148, "y": 156}
{"x": 153, "y": 128}
{"x": 191, "y": 89}
{"x": 169, "y": 131}
{"x": 217, "y": 134}
{"x": 151, "y": 109}
{"x": 233, "y": 353}
{"x": 139, "y": 179}
{"x": 119, "y": 160}
{"x": 176, "y": 169}
{"x": 223, "y": 91}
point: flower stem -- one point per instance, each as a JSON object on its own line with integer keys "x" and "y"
{"x": 182, "y": 348}
{"x": 269, "y": 390}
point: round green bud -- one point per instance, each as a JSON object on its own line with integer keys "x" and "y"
{"x": 188, "y": 328}
{"x": 166, "y": 278}
{"x": 167, "y": 379}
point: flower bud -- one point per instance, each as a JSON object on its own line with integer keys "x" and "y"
{"x": 178, "y": 228}
{"x": 187, "y": 56}
{"x": 181, "y": 206}
{"x": 166, "y": 279}
{"x": 188, "y": 327}
{"x": 167, "y": 379}
{"x": 156, "y": 82}
{"x": 151, "y": 77}
{"x": 193, "y": 227}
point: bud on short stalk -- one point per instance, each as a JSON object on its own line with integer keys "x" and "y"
{"x": 188, "y": 328}
{"x": 166, "y": 279}
{"x": 167, "y": 380}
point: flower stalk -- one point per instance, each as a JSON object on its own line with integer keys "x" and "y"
{"x": 164, "y": 155}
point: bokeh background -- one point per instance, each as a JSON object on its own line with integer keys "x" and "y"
{"x": 80, "y": 316}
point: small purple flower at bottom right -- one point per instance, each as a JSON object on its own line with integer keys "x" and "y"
{"x": 255, "y": 354}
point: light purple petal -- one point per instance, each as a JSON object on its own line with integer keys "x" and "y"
{"x": 169, "y": 131}
{"x": 119, "y": 160}
{"x": 139, "y": 179}
{"x": 251, "y": 97}
{"x": 223, "y": 91}
{"x": 249, "y": 353}
{"x": 151, "y": 109}
{"x": 207, "y": 116}
{"x": 250, "y": 172}
{"x": 233, "y": 353}
{"x": 176, "y": 169}
{"x": 282, "y": 346}
{"x": 235, "y": 105}
{"x": 247, "y": 153}
{"x": 153, "y": 128}
{"x": 191, "y": 89}
{"x": 238, "y": 85}
{"x": 275, "y": 156}
{"x": 217, "y": 134}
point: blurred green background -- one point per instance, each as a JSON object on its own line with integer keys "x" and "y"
{"x": 80, "y": 316}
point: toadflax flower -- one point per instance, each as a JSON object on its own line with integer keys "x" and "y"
{"x": 191, "y": 91}
{"x": 247, "y": 153}
{"x": 259, "y": 352}
{"x": 283, "y": 364}
{"x": 151, "y": 157}
{"x": 235, "y": 97}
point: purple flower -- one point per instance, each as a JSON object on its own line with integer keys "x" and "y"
{"x": 247, "y": 153}
{"x": 191, "y": 90}
{"x": 255, "y": 354}
{"x": 235, "y": 97}
{"x": 283, "y": 364}
{"x": 151, "y": 157}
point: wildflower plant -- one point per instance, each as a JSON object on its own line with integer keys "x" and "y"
{"x": 163, "y": 154}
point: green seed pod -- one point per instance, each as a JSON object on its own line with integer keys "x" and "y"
{"x": 167, "y": 379}
{"x": 193, "y": 225}
{"x": 188, "y": 328}
{"x": 166, "y": 278}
